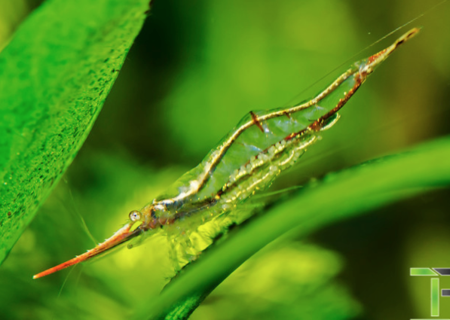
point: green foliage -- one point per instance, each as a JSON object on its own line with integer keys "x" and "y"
{"x": 55, "y": 75}
{"x": 284, "y": 281}
{"x": 195, "y": 70}
{"x": 301, "y": 276}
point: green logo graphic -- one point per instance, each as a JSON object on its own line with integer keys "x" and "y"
{"x": 433, "y": 272}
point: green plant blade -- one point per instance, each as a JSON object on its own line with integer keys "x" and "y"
{"x": 54, "y": 77}
{"x": 379, "y": 183}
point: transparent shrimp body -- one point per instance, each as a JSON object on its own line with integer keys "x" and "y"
{"x": 205, "y": 201}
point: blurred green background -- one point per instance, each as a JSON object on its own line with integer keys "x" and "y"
{"x": 196, "y": 68}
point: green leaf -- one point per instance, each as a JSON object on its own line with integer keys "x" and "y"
{"x": 54, "y": 77}
{"x": 379, "y": 183}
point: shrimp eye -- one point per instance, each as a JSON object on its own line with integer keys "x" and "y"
{"x": 135, "y": 215}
